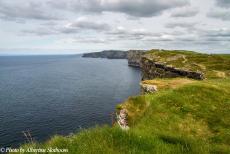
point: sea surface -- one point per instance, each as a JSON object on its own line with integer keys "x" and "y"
{"x": 48, "y": 95}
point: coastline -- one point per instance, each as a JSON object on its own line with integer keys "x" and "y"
{"x": 175, "y": 111}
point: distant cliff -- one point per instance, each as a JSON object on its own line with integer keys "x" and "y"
{"x": 133, "y": 56}
{"x": 110, "y": 54}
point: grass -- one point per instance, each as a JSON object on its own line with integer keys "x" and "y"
{"x": 192, "y": 118}
{"x": 212, "y": 65}
{"x": 199, "y": 111}
{"x": 168, "y": 83}
{"x": 184, "y": 117}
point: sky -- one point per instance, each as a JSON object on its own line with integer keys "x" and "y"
{"x": 78, "y": 26}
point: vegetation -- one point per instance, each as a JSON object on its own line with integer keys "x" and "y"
{"x": 184, "y": 116}
{"x": 168, "y": 83}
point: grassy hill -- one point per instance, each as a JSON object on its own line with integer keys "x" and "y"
{"x": 184, "y": 116}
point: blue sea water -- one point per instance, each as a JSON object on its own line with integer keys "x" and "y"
{"x": 50, "y": 95}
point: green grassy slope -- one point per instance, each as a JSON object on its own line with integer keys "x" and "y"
{"x": 184, "y": 116}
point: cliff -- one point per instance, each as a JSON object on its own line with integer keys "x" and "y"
{"x": 110, "y": 54}
{"x": 151, "y": 70}
{"x": 174, "y": 63}
{"x": 134, "y": 57}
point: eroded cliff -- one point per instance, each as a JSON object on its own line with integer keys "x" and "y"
{"x": 134, "y": 57}
{"x": 151, "y": 70}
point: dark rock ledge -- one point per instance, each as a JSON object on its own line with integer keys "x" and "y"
{"x": 151, "y": 70}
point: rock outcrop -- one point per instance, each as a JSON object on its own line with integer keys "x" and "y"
{"x": 110, "y": 54}
{"x": 122, "y": 119}
{"x": 147, "y": 88}
{"x": 134, "y": 57}
{"x": 151, "y": 70}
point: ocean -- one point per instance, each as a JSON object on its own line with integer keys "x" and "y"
{"x": 48, "y": 95}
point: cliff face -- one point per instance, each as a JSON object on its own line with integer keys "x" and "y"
{"x": 110, "y": 54}
{"x": 151, "y": 70}
{"x": 134, "y": 57}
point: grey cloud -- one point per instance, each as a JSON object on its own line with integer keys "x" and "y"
{"x": 130, "y": 34}
{"x": 146, "y": 35}
{"x": 185, "y": 25}
{"x": 220, "y": 33}
{"x": 137, "y": 8}
{"x": 185, "y": 12}
{"x": 89, "y": 40}
{"x": 17, "y": 10}
{"x": 40, "y": 10}
{"x": 217, "y": 39}
{"x": 49, "y": 23}
{"x": 214, "y": 36}
{"x": 92, "y": 40}
{"x": 198, "y": 35}
{"x": 50, "y": 28}
{"x": 41, "y": 31}
{"x": 223, "y": 14}
{"x": 86, "y": 24}
{"x": 223, "y": 3}
{"x": 83, "y": 25}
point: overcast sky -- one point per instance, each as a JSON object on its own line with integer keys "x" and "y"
{"x": 76, "y": 26}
